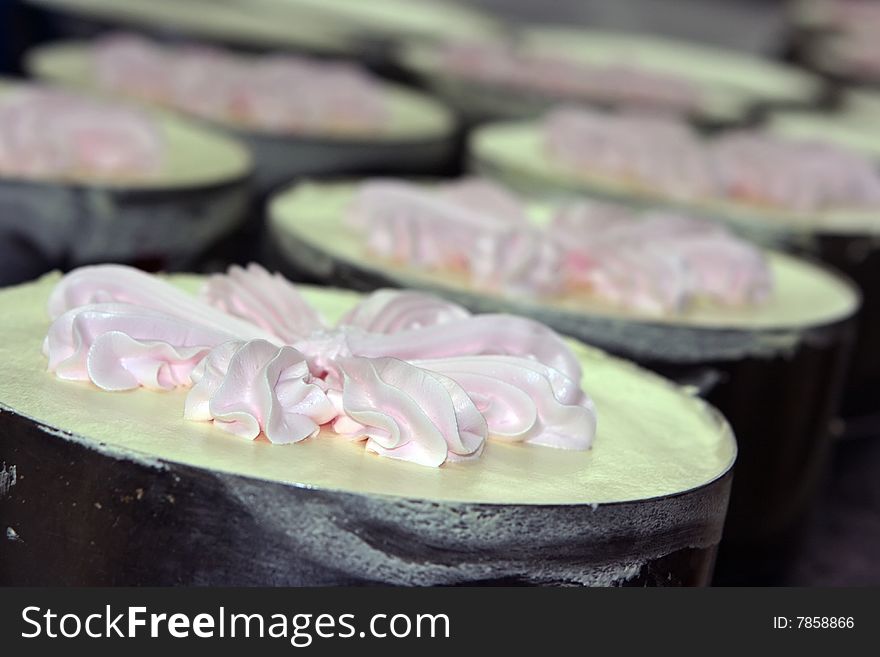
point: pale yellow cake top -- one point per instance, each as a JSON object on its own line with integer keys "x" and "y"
{"x": 652, "y": 439}
{"x": 804, "y": 294}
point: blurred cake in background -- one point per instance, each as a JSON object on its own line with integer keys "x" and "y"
{"x": 656, "y": 263}
{"x": 388, "y": 23}
{"x": 761, "y": 335}
{"x": 544, "y": 78}
{"x": 852, "y": 57}
{"x": 368, "y": 31}
{"x": 89, "y": 180}
{"x": 802, "y": 189}
{"x": 543, "y": 66}
{"x": 234, "y": 24}
{"x": 836, "y": 15}
{"x": 282, "y": 93}
{"x": 480, "y": 242}
{"x": 51, "y": 134}
{"x": 755, "y": 177}
{"x": 299, "y": 116}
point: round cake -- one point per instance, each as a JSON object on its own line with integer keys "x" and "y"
{"x": 333, "y": 117}
{"x": 86, "y": 181}
{"x": 827, "y": 205}
{"x": 793, "y": 345}
{"x": 544, "y": 66}
{"x": 110, "y": 459}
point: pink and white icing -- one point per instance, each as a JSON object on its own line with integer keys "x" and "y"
{"x": 659, "y": 262}
{"x": 408, "y": 412}
{"x": 278, "y": 93}
{"x": 266, "y": 300}
{"x": 522, "y": 400}
{"x": 659, "y": 153}
{"x": 47, "y": 132}
{"x": 560, "y": 77}
{"x": 390, "y": 311}
{"x": 121, "y": 346}
{"x": 656, "y": 263}
{"x": 257, "y": 387}
{"x": 426, "y": 383}
{"x": 666, "y": 158}
{"x": 473, "y": 226}
{"x": 797, "y": 175}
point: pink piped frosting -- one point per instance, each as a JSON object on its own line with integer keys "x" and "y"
{"x": 408, "y": 413}
{"x": 47, "y": 132}
{"x": 665, "y": 157}
{"x": 249, "y": 388}
{"x": 426, "y": 382}
{"x": 391, "y": 311}
{"x": 659, "y": 153}
{"x": 658, "y": 262}
{"x": 655, "y": 263}
{"x": 277, "y": 93}
{"x": 797, "y": 175}
{"x": 473, "y": 226}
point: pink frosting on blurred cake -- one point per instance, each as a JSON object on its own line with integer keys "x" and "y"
{"x": 278, "y": 93}
{"x": 560, "y": 77}
{"x": 654, "y": 152}
{"x": 797, "y": 175}
{"x": 472, "y": 226}
{"x": 667, "y": 158}
{"x": 657, "y": 263}
{"x": 415, "y": 377}
{"x": 50, "y": 133}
